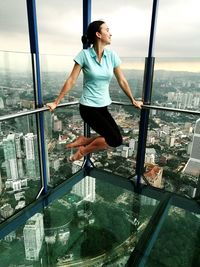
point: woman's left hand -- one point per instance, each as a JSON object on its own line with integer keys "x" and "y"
{"x": 137, "y": 104}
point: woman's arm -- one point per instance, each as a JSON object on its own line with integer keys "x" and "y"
{"x": 125, "y": 87}
{"x": 68, "y": 85}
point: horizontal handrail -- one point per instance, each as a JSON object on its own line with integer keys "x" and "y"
{"x": 34, "y": 111}
{"x": 37, "y": 110}
{"x": 193, "y": 112}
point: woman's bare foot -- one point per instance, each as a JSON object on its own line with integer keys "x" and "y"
{"x": 78, "y": 155}
{"x": 80, "y": 141}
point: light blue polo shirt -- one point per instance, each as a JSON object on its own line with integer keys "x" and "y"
{"x": 97, "y": 76}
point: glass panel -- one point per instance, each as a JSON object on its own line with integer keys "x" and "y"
{"x": 129, "y": 22}
{"x": 25, "y": 246}
{"x": 133, "y": 69}
{"x": 54, "y": 72}
{"x": 14, "y": 26}
{"x": 62, "y": 127}
{"x": 121, "y": 160}
{"x": 176, "y": 83}
{"x": 177, "y": 29}
{"x": 60, "y": 26}
{"x": 180, "y": 237}
{"x": 19, "y": 165}
{"x": 16, "y": 82}
{"x": 172, "y": 157}
{"x": 96, "y": 223}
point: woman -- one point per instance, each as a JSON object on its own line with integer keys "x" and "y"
{"x": 98, "y": 65}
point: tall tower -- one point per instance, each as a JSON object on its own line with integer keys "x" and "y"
{"x": 18, "y": 146}
{"x": 32, "y": 158}
{"x": 10, "y": 156}
{"x": 193, "y": 165}
{"x": 33, "y": 237}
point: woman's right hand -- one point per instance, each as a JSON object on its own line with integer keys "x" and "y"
{"x": 52, "y": 106}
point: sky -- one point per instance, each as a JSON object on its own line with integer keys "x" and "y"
{"x": 60, "y": 27}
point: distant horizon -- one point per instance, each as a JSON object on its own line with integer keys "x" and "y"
{"x": 21, "y": 62}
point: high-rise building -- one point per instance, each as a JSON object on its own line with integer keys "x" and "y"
{"x": 6, "y": 210}
{"x": 1, "y": 185}
{"x": 57, "y": 124}
{"x": 32, "y": 159}
{"x": 48, "y": 124}
{"x": 10, "y": 156}
{"x": 193, "y": 165}
{"x": 86, "y": 187}
{"x": 33, "y": 237}
{"x": 150, "y": 155}
{"x": 18, "y": 146}
{"x": 170, "y": 140}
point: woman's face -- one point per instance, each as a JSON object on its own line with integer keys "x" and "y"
{"x": 104, "y": 34}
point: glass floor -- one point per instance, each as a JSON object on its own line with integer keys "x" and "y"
{"x": 100, "y": 220}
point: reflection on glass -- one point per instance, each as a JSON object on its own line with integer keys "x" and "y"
{"x": 172, "y": 158}
{"x": 62, "y": 127}
{"x": 19, "y": 169}
{"x": 94, "y": 224}
{"x": 180, "y": 235}
{"x": 16, "y": 82}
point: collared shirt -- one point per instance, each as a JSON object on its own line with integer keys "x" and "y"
{"x": 97, "y": 76}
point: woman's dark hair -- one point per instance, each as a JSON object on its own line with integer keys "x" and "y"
{"x": 89, "y": 38}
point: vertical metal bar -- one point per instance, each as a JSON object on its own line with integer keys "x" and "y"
{"x": 147, "y": 89}
{"x": 33, "y": 35}
{"x": 87, "y": 5}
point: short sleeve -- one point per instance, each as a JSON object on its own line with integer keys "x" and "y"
{"x": 115, "y": 60}
{"x": 80, "y": 58}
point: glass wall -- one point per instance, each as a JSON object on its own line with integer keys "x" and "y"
{"x": 16, "y": 82}
{"x": 62, "y": 127}
{"x": 121, "y": 160}
{"x": 14, "y": 27}
{"x": 54, "y": 72}
{"x": 176, "y": 77}
{"x": 177, "y": 29}
{"x": 59, "y": 26}
{"x": 60, "y": 31}
{"x": 176, "y": 83}
{"x": 20, "y": 178}
{"x": 129, "y": 23}
{"x": 172, "y": 157}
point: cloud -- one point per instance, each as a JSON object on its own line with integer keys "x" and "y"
{"x": 60, "y": 26}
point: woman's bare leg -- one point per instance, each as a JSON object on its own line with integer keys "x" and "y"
{"x": 97, "y": 144}
{"x": 80, "y": 141}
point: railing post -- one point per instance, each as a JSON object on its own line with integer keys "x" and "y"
{"x": 34, "y": 47}
{"x": 147, "y": 89}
